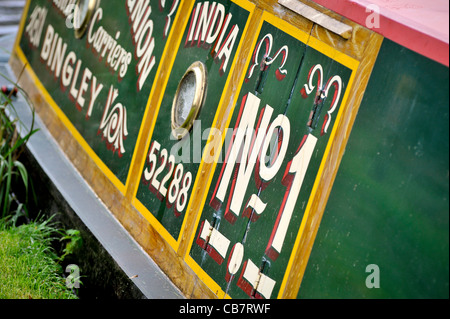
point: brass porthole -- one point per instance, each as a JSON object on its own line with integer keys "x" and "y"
{"x": 84, "y": 10}
{"x": 189, "y": 99}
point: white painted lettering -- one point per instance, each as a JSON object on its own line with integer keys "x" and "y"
{"x": 244, "y": 150}
{"x": 139, "y": 12}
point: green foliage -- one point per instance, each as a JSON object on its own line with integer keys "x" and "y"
{"x": 28, "y": 263}
{"x": 11, "y": 169}
{"x": 73, "y": 240}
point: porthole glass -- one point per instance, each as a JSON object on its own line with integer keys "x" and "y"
{"x": 84, "y": 10}
{"x": 188, "y": 100}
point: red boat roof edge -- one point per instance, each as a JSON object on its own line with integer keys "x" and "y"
{"x": 422, "y": 26}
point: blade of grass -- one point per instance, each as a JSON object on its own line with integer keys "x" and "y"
{"x": 7, "y": 186}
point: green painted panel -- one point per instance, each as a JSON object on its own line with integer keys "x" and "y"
{"x": 255, "y": 205}
{"x": 121, "y": 51}
{"x": 217, "y": 55}
{"x": 389, "y": 205}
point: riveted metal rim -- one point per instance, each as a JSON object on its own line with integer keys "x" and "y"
{"x": 179, "y": 130}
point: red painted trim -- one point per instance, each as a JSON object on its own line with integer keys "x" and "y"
{"x": 421, "y": 26}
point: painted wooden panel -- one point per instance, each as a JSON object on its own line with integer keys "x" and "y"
{"x": 389, "y": 207}
{"x": 224, "y": 213}
{"x": 271, "y": 159}
{"x": 212, "y": 37}
{"x": 100, "y": 83}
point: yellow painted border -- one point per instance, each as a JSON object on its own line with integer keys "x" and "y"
{"x": 22, "y": 24}
{"x": 325, "y": 49}
{"x": 203, "y": 276}
{"x": 68, "y": 124}
{"x": 175, "y": 243}
{"x": 353, "y": 65}
{"x": 142, "y": 129}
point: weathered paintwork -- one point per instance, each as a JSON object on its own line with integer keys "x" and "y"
{"x": 236, "y": 216}
{"x": 216, "y": 48}
{"x": 102, "y": 81}
{"x": 259, "y": 217}
{"x": 389, "y": 205}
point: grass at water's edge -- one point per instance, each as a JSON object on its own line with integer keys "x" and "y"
{"x": 28, "y": 264}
